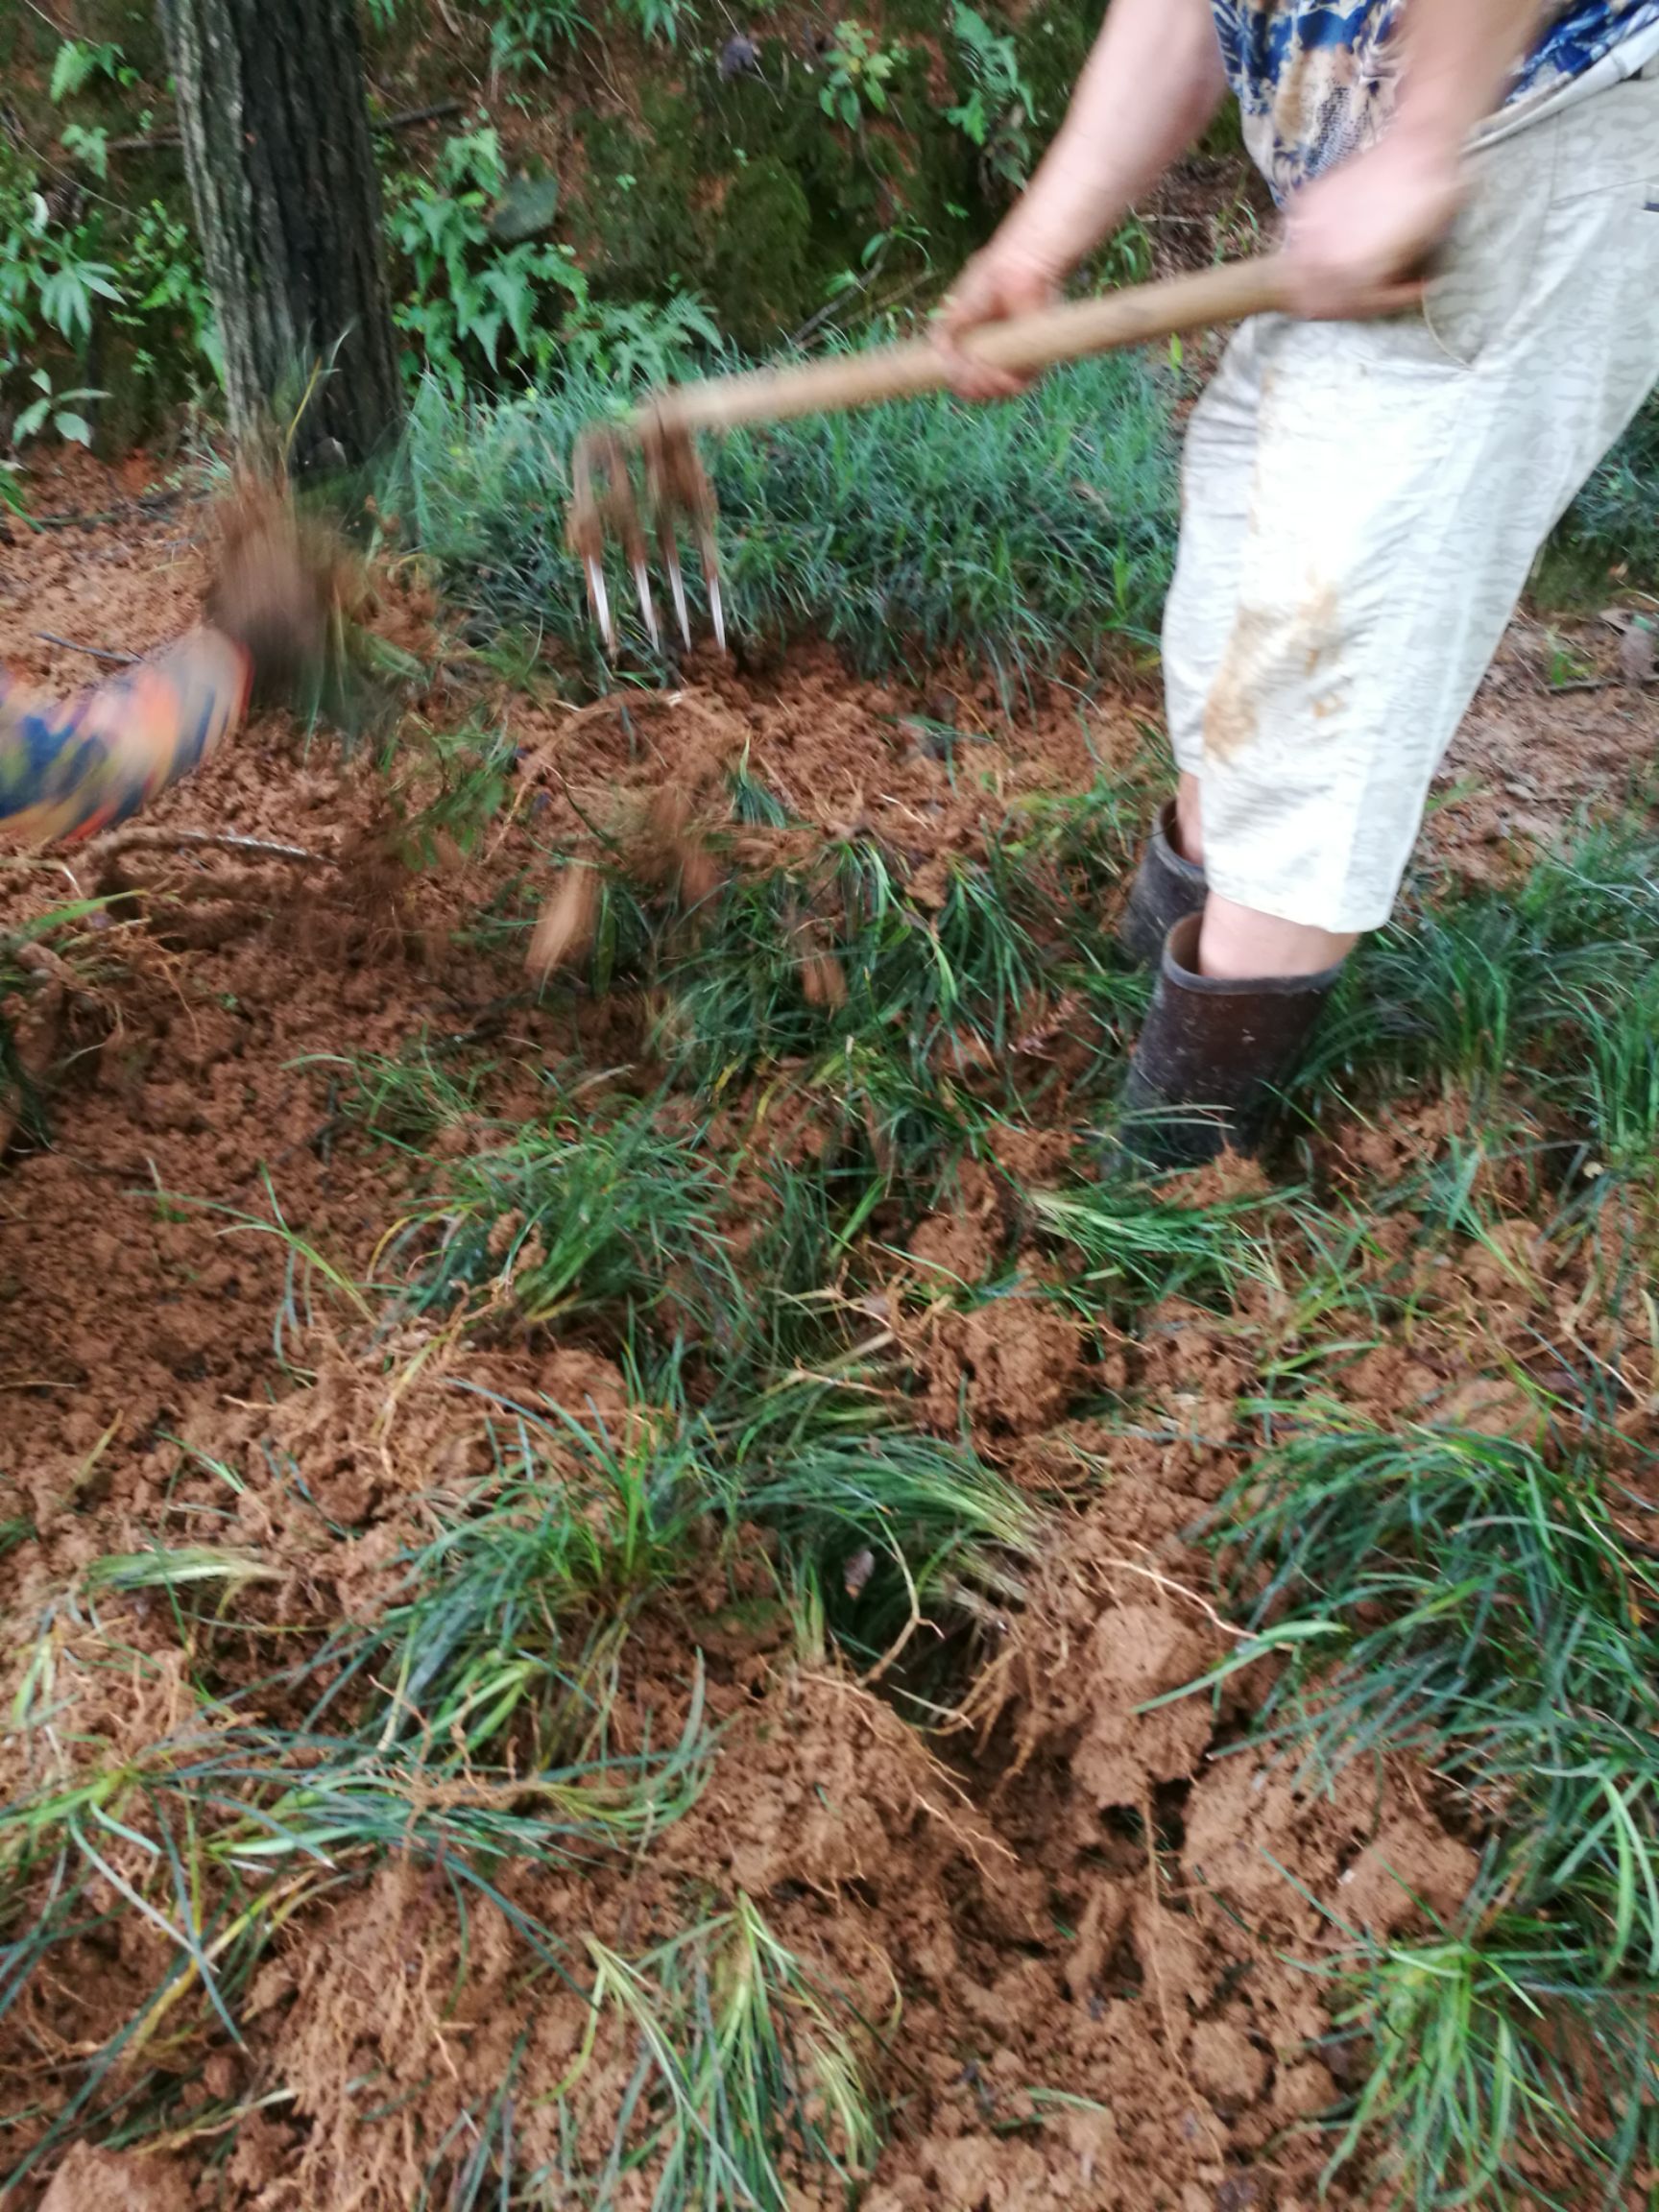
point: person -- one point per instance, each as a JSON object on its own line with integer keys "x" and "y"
{"x": 71, "y": 769}
{"x": 1362, "y": 499}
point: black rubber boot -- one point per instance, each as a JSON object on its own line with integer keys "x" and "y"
{"x": 1165, "y": 890}
{"x": 1211, "y": 1054}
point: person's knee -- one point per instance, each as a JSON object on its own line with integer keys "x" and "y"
{"x": 1238, "y": 944}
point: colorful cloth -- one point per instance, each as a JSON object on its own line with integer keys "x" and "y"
{"x": 72, "y": 768}
{"x": 1316, "y": 79}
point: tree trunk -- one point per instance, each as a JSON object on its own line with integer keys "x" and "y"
{"x": 276, "y": 129}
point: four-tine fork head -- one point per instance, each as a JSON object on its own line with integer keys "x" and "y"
{"x": 605, "y": 505}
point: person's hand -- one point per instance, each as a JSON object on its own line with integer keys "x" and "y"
{"x": 1004, "y": 280}
{"x": 1356, "y": 239}
{"x": 272, "y": 588}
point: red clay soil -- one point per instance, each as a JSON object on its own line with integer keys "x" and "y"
{"x": 1084, "y": 2020}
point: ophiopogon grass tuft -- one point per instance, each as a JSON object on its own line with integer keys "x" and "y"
{"x": 1492, "y": 983}
{"x": 784, "y": 963}
{"x": 731, "y": 2074}
{"x": 467, "y": 1726}
{"x": 220, "y": 1828}
{"x": 1500, "y": 1620}
{"x": 1021, "y": 537}
{"x": 1141, "y": 1247}
{"x": 30, "y": 966}
{"x": 826, "y": 1042}
{"x": 1502, "y": 2070}
{"x": 599, "y": 1204}
{"x": 755, "y": 2069}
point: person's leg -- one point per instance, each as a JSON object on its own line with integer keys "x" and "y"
{"x": 1405, "y": 476}
{"x": 1239, "y": 941}
{"x": 1218, "y": 472}
{"x": 1216, "y": 463}
{"x": 1190, "y": 815}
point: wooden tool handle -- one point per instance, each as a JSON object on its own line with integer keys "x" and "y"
{"x": 1024, "y": 344}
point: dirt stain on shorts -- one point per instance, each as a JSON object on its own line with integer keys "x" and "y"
{"x": 1269, "y": 650}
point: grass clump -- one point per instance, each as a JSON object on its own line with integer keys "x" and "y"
{"x": 1024, "y": 539}
{"x": 1141, "y": 1247}
{"x": 1500, "y": 1623}
{"x": 211, "y": 1832}
{"x": 1492, "y": 984}
{"x": 484, "y": 1722}
{"x": 616, "y": 1208}
{"x": 1495, "y": 2080}
{"x": 888, "y": 1019}
{"x": 32, "y": 967}
{"x": 754, "y": 2071}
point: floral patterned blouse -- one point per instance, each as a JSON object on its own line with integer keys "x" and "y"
{"x": 1316, "y": 78}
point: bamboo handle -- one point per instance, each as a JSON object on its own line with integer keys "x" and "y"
{"x": 1024, "y": 345}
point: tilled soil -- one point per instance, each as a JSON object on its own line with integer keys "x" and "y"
{"x": 1086, "y": 1934}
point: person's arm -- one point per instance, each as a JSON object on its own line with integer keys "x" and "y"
{"x": 1150, "y": 87}
{"x": 71, "y": 769}
{"x": 1372, "y": 221}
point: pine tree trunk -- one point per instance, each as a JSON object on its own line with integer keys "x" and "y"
{"x": 275, "y": 130}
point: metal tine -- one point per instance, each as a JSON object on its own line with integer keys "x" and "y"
{"x": 710, "y": 559}
{"x": 648, "y": 605}
{"x": 585, "y": 531}
{"x": 599, "y": 600}
{"x": 676, "y": 581}
{"x": 604, "y": 504}
{"x": 622, "y": 512}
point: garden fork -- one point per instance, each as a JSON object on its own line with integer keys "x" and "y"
{"x": 604, "y": 503}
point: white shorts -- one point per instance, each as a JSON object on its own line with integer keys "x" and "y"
{"x": 1362, "y": 504}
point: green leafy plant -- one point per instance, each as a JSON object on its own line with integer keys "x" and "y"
{"x": 89, "y": 145}
{"x": 522, "y": 32}
{"x": 997, "y": 112}
{"x": 57, "y": 410}
{"x": 640, "y": 341}
{"x": 80, "y": 61}
{"x": 50, "y": 280}
{"x": 663, "y": 20}
{"x": 474, "y": 306}
{"x": 858, "y": 70}
{"x": 166, "y": 304}
{"x": 47, "y": 276}
{"x": 68, "y": 258}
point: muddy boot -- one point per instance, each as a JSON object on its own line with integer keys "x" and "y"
{"x": 1165, "y": 890}
{"x": 1211, "y": 1054}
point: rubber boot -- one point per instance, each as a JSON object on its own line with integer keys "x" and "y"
{"x": 1165, "y": 890}
{"x": 1211, "y": 1054}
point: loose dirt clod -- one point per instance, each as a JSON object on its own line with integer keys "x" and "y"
{"x": 93, "y": 2181}
{"x": 565, "y": 929}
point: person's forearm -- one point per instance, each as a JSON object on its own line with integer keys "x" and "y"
{"x": 1456, "y": 60}
{"x": 69, "y": 770}
{"x": 1151, "y": 85}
